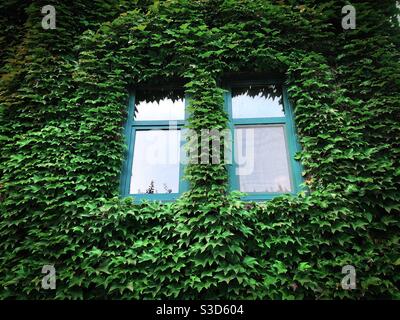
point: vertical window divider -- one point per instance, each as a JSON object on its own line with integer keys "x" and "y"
{"x": 293, "y": 143}
{"x": 183, "y": 184}
{"x": 129, "y": 137}
{"x": 231, "y": 168}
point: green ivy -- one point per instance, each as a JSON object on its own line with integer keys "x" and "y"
{"x": 63, "y": 102}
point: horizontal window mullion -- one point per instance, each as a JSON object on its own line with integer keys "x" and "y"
{"x": 179, "y": 127}
{"x": 278, "y": 120}
{"x": 263, "y": 196}
{"x": 158, "y": 123}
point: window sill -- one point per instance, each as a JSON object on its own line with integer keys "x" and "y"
{"x": 168, "y": 197}
{"x": 264, "y": 196}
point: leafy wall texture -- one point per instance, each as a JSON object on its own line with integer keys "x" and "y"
{"x": 63, "y": 103}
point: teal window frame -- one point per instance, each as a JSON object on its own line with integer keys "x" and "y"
{"x": 130, "y": 128}
{"x": 293, "y": 146}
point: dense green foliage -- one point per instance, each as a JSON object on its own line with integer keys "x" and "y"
{"x": 63, "y": 99}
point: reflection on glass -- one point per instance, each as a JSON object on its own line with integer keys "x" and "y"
{"x": 257, "y": 102}
{"x": 155, "y": 167}
{"x": 161, "y": 109}
{"x": 261, "y": 158}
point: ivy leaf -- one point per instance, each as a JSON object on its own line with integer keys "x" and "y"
{"x": 304, "y": 266}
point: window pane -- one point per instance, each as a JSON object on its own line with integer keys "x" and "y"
{"x": 262, "y": 159}
{"x": 160, "y": 109}
{"x": 257, "y": 102}
{"x": 155, "y": 167}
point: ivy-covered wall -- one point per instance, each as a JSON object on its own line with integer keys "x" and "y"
{"x": 63, "y": 103}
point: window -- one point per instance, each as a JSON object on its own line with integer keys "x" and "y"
{"x": 264, "y": 141}
{"x": 263, "y": 148}
{"x": 153, "y": 130}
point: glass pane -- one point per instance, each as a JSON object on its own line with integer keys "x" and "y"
{"x": 155, "y": 167}
{"x": 257, "y": 102}
{"x": 261, "y": 158}
{"x": 159, "y": 106}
